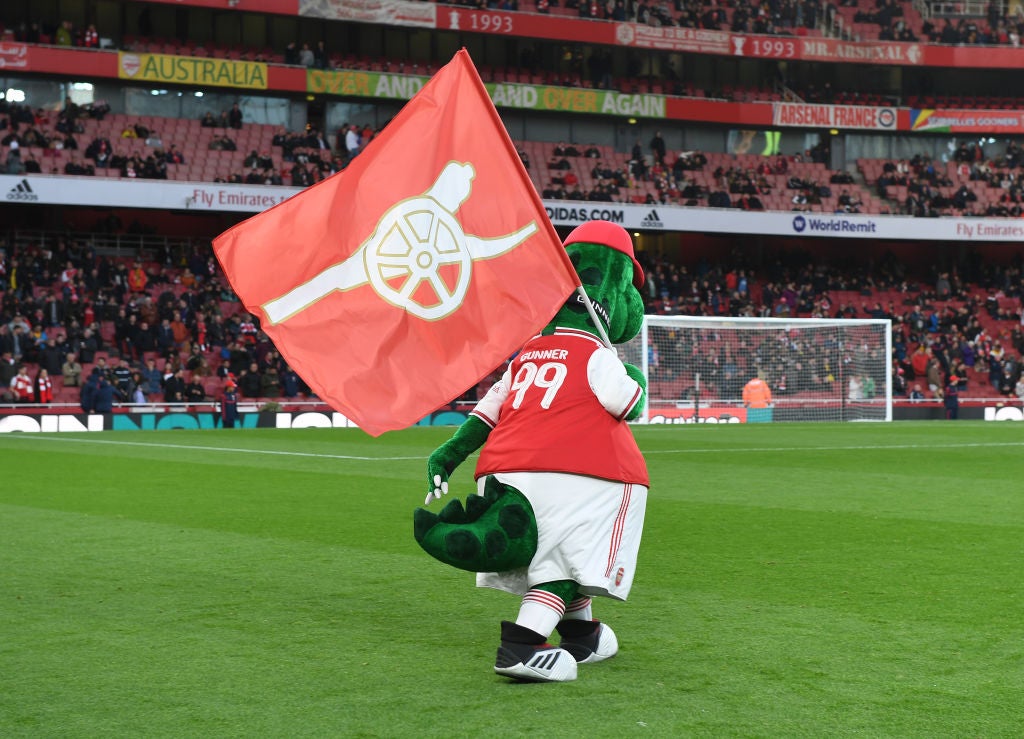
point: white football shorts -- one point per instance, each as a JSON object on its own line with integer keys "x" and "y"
{"x": 588, "y": 531}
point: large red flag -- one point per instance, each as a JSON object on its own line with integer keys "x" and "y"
{"x": 396, "y": 284}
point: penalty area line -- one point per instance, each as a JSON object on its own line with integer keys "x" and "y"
{"x": 233, "y": 450}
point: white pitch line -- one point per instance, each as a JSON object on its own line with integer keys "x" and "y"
{"x": 851, "y": 448}
{"x": 731, "y": 450}
{"x": 237, "y": 450}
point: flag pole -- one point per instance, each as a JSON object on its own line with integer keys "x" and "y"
{"x": 593, "y": 317}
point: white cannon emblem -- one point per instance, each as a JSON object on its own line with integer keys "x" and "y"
{"x": 413, "y": 240}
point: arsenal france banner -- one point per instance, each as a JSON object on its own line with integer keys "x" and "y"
{"x": 396, "y": 284}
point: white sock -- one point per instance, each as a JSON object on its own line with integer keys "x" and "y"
{"x": 579, "y": 609}
{"x": 541, "y": 611}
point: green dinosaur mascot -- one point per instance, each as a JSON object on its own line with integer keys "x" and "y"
{"x": 562, "y": 486}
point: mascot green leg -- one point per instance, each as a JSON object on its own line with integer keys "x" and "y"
{"x": 494, "y": 532}
{"x": 564, "y": 589}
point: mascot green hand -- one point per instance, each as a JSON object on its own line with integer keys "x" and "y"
{"x": 638, "y": 375}
{"x": 561, "y": 484}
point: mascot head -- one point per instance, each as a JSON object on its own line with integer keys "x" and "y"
{"x": 602, "y": 253}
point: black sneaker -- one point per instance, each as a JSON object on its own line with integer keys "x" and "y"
{"x": 525, "y": 655}
{"x": 588, "y": 641}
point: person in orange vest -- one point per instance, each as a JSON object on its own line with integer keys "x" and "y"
{"x": 757, "y": 394}
{"x": 137, "y": 279}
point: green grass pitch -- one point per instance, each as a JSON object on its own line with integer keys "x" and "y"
{"x": 795, "y": 581}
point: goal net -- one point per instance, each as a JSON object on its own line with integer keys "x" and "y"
{"x": 815, "y": 369}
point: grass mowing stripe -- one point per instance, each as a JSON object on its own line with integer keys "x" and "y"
{"x": 235, "y": 450}
{"x": 767, "y": 450}
{"x": 845, "y": 592}
{"x": 847, "y": 448}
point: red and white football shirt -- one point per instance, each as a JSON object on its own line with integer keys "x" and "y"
{"x": 560, "y": 407}
{"x": 21, "y": 386}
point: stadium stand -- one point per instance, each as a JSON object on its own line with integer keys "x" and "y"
{"x": 972, "y": 328}
{"x": 974, "y": 322}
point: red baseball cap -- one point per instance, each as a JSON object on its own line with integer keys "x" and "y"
{"x": 611, "y": 235}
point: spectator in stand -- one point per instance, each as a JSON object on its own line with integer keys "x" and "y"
{"x": 179, "y": 331}
{"x": 250, "y": 381}
{"x": 657, "y": 146}
{"x": 320, "y": 55}
{"x": 152, "y": 378}
{"x": 88, "y": 346}
{"x": 270, "y": 383}
{"x": 121, "y": 377}
{"x": 247, "y": 330}
{"x": 165, "y": 337}
{"x": 21, "y": 386}
{"x": 65, "y": 34}
{"x": 353, "y": 144}
{"x": 50, "y": 355}
{"x": 143, "y": 339}
{"x": 174, "y": 387}
{"x": 174, "y": 155}
{"x": 290, "y": 382}
{"x": 899, "y": 380}
{"x": 91, "y": 37}
{"x": 933, "y": 374}
{"x": 919, "y": 361}
{"x": 43, "y": 387}
{"x": 194, "y": 392}
{"x": 71, "y": 371}
{"x": 222, "y": 143}
{"x": 8, "y": 371}
{"x": 138, "y": 394}
{"x": 235, "y": 117}
{"x": 137, "y": 279}
{"x": 208, "y": 121}
{"x": 103, "y": 400}
{"x": 14, "y": 164}
{"x": 306, "y": 56}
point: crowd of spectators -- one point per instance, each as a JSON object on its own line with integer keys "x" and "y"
{"x": 672, "y": 179}
{"x": 167, "y": 330}
{"x": 932, "y": 192}
{"x": 998, "y": 27}
{"x": 777, "y": 17}
{"x": 64, "y": 33}
{"x": 943, "y": 325}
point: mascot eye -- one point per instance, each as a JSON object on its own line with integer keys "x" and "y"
{"x": 575, "y": 259}
{"x": 591, "y": 276}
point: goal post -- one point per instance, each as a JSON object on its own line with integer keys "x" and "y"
{"x": 816, "y": 369}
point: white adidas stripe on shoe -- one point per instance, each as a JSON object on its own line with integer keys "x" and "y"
{"x": 545, "y": 663}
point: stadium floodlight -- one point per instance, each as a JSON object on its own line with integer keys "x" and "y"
{"x": 817, "y": 369}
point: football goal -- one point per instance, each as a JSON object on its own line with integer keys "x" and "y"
{"x": 805, "y": 369}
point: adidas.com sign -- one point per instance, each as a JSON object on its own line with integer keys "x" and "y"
{"x": 651, "y": 220}
{"x": 22, "y": 192}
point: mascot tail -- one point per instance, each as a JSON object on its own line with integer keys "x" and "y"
{"x": 495, "y": 532}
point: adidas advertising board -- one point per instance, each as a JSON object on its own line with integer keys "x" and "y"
{"x": 22, "y": 192}
{"x": 211, "y": 197}
{"x": 651, "y": 220}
